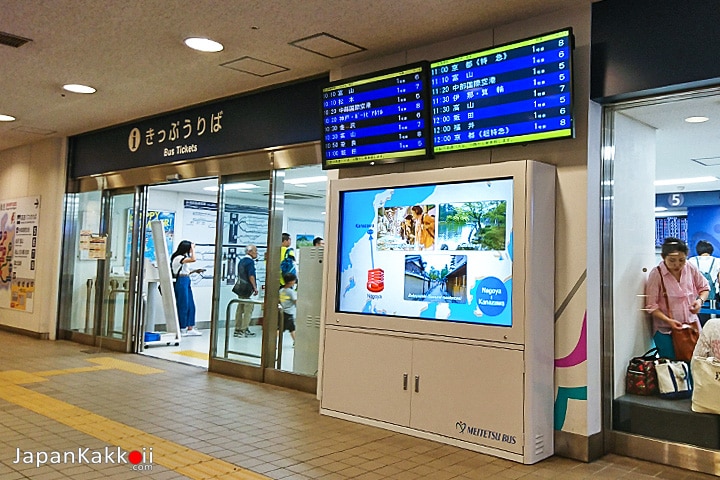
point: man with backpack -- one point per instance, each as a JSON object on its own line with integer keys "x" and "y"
{"x": 709, "y": 266}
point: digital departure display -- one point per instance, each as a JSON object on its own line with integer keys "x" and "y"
{"x": 515, "y": 93}
{"x": 381, "y": 118}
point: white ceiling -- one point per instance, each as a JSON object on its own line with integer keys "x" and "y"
{"x": 132, "y": 51}
{"x": 684, "y": 150}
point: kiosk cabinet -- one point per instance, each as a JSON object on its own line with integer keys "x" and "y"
{"x": 439, "y": 310}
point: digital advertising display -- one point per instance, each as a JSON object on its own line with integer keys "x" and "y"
{"x": 380, "y": 118}
{"x": 515, "y": 93}
{"x": 433, "y": 251}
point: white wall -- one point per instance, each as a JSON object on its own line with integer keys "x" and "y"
{"x": 633, "y": 239}
{"x": 38, "y": 170}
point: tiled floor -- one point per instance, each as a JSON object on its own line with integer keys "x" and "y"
{"x": 58, "y": 399}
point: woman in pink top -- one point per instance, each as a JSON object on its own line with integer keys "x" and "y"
{"x": 687, "y": 289}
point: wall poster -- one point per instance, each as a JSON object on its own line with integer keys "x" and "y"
{"x": 19, "y": 220}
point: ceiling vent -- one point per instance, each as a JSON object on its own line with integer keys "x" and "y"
{"x": 12, "y": 40}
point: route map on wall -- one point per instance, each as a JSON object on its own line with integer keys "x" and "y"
{"x": 19, "y": 220}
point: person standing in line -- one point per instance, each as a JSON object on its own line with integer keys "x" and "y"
{"x": 686, "y": 290}
{"x": 179, "y": 266}
{"x": 318, "y": 242}
{"x": 709, "y": 266}
{"x": 288, "y": 301}
{"x": 246, "y": 271}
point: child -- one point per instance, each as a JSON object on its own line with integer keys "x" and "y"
{"x": 288, "y": 301}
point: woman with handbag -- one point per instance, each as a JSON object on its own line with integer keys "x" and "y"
{"x": 675, "y": 292}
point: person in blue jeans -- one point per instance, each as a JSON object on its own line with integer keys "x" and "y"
{"x": 179, "y": 266}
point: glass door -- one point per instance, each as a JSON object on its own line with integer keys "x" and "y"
{"x": 116, "y": 297}
{"x": 240, "y": 321}
{"x": 303, "y": 193}
{"x": 98, "y": 283}
{"x": 83, "y": 258}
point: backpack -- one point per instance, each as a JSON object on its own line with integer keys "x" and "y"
{"x": 713, "y": 292}
{"x": 288, "y": 263}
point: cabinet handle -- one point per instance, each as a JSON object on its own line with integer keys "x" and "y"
{"x": 405, "y": 380}
{"x": 417, "y": 383}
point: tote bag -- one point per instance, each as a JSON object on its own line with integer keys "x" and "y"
{"x": 674, "y": 380}
{"x": 706, "y": 393}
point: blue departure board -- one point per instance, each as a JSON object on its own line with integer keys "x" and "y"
{"x": 379, "y": 118}
{"x": 515, "y": 93}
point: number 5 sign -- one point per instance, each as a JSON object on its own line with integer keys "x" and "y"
{"x": 675, "y": 199}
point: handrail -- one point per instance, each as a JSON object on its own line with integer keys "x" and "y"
{"x": 236, "y": 301}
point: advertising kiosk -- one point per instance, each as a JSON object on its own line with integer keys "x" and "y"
{"x": 439, "y": 306}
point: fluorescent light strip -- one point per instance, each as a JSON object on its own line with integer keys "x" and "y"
{"x": 317, "y": 179}
{"x": 684, "y": 181}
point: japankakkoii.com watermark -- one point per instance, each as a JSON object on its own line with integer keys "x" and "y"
{"x": 139, "y": 460}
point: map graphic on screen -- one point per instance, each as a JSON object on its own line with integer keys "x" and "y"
{"x": 436, "y": 252}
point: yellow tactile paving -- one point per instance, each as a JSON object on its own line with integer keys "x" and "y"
{"x": 14, "y": 377}
{"x": 193, "y": 354}
{"x": 125, "y": 366}
{"x": 193, "y": 464}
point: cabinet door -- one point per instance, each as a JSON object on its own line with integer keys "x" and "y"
{"x": 363, "y": 375}
{"x": 471, "y": 393}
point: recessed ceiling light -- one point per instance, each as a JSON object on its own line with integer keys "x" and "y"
{"x": 76, "y": 88}
{"x": 7, "y": 118}
{"x": 696, "y": 119}
{"x": 203, "y": 44}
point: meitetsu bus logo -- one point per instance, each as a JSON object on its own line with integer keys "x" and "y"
{"x": 139, "y": 459}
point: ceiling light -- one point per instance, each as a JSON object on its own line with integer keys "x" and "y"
{"x": 214, "y": 188}
{"x": 295, "y": 181}
{"x": 696, "y": 119}
{"x": 203, "y": 44}
{"x": 684, "y": 181}
{"x": 77, "y": 88}
{"x": 660, "y": 209}
{"x": 7, "y": 118}
{"x": 240, "y": 186}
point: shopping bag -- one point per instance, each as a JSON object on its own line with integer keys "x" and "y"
{"x": 640, "y": 376}
{"x": 706, "y": 388}
{"x": 674, "y": 380}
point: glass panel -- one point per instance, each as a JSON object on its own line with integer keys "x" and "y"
{"x": 116, "y": 294}
{"x": 245, "y": 216}
{"x": 305, "y": 190}
{"x": 84, "y": 247}
{"x": 662, "y": 179}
